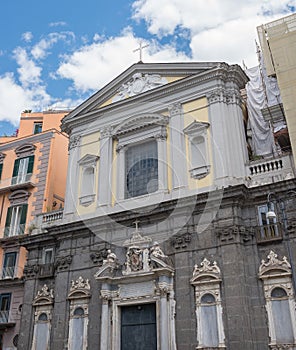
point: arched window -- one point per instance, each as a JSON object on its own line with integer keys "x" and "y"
{"x": 79, "y": 298}
{"x": 78, "y": 329}
{"x": 209, "y": 321}
{"x": 280, "y": 302}
{"x": 42, "y": 325}
{"x": 210, "y": 330}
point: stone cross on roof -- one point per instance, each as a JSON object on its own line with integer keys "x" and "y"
{"x": 140, "y": 49}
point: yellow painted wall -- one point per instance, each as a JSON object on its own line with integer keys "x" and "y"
{"x": 197, "y": 110}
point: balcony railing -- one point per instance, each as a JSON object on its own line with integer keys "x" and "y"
{"x": 4, "y": 316}
{"x": 267, "y": 171}
{"x": 45, "y": 220}
{"x": 17, "y": 180}
{"x": 12, "y": 231}
{"x": 52, "y": 216}
{"x": 11, "y": 272}
{"x": 269, "y": 233}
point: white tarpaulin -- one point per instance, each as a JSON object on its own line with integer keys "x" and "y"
{"x": 262, "y": 92}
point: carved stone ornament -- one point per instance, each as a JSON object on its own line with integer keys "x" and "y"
{"x": 25, "y": 150}
{"x": 141, "y": 121}
{"x": 138, "y": 84}
{"x": 235, "y": 233}
{"x": 80, "y": 283}
{"x": 19, "y": 197}
{"x": 31, "y": 271}
{"x": 79, "y": 288}
{"x": 226, "y": 96}
{"x": 206, "y": 269}
{"x": 44, "y": 296}
{"x": 99, "y": 256}
{"x": 63, "y": 263}
{"x": 274, "y": 266}
{"x": 142, "y": 257}
{"x": 181, "y": 241}
{"x": 175, "y": 109}
{"x": 74, "y": 141}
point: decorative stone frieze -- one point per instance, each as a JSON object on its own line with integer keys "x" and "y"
{"x": 19, "y": 197}
{"x": 74, "y": 141}
{"x": 235, "y": 234}
{"x": 63, "y": 263}
{"x": 221, "y": 95}
{"x": 181, "y": 241}
{"x": 25, "y": 150}
{"x": 175, "y": 109}
{"x": 79, "y": 285}
{"x": 139, "y": 83}
{"x": 106, "y": 132}
{"x": 31, "y": 271}
{"x": 99, "y": 256}
{"x": 44, "y": 296}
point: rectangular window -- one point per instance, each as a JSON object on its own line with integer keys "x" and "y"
{"x": 22, "y": 171}
{"x": 48, "y": 256}
{"x": 268, "y": 225}
{"x": 1, "y": 167}
{"x": 141, "y": 169}
{"x": 37, "y": 128}
{"x": 9, "y": 265}
{"x": 4, "y": 307}
{"x": 16, "y": 220}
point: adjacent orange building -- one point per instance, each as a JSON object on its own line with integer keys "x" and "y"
{"x": 33, "y": 167}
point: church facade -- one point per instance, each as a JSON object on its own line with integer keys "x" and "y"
{"x": 171, "y": 238}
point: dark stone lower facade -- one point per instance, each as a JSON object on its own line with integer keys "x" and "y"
{"x": 225, "y": 231}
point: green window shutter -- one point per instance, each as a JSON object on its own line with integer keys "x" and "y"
{"x": 1, "y": 167}
{"x": 30, "y": 165}
{"x": 24, "y": 214}
{"x": 8, "y": 217}
{"x": 16, "y": 167}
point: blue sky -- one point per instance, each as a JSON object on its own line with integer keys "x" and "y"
{"x": 56, "y": 54}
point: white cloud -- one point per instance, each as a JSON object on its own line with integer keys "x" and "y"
{"x": 13, "y": 99}
{"x": 40, "y": 50}
{"x": 29, "y": 72}
{"x": 94, "y": 65}
{"x": 220, "y": 30}
{"x": 27, "y": 36}
{"x": 58, "y": 24}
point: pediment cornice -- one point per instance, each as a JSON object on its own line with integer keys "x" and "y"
{"x": 192, "y": 73}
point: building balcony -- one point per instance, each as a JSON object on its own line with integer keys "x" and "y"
{"x": 45, "y": 220}
{"x": 266, "y": 171}
{"x": 269, "y": 233}
{"x": 4, "y": 316}
{"x": 11, "y": 272}
{"x": 12, "y": 231}
{"x": 6, "y": 320}
{"x": 16, "y": 182}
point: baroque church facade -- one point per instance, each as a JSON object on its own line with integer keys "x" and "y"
{"x": 171, "y": 237}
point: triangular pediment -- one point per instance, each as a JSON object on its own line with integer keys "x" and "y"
{"x": 138, "y": 80}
